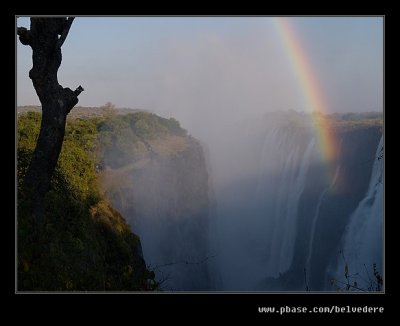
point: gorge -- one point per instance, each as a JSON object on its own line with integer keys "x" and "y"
{"x": 256, "y": 209}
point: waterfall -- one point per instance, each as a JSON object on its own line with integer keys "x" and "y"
{"x": 290, "y": 222}
{"x": 315, "y": 218}
{"x": 290, "y": 190}
{"x": 285, "y": 161}
{"x": 362, "y": 240}
{"x": 276, "y": 212}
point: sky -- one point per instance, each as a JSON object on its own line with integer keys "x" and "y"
{"x": 192, "y": 67}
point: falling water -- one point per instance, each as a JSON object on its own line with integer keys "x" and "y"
{"x": 316, "y": 215}
{"x": 290, "y": 191}
{"x": 362, "y": 242}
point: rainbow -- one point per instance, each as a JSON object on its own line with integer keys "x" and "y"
{"x": 310, "y": 87}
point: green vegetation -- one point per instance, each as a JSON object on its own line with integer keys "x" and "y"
{"x": 341, "y": 121}
{"x": 140, "y": 125}
{"x": 83, "y": 244}
{"x": 124, "y": 137}
{"x": 351, "y": 121}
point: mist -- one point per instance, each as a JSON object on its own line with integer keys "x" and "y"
{"x": 231, "y": 84}
{"x": 214, "y": 73}
{"x": 202, "y": 69}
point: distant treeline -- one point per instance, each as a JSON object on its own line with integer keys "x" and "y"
{"x": 353, "y": 116}
{"x": 83, "y": 112}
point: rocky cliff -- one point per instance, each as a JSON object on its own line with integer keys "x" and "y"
{"x": 155, "y": 175}
{"x": 84, "y": 244}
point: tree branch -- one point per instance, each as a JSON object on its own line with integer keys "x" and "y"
{"x": 64, "y": 33}
{"x": 78, "y": 90}
{"x": 24, "y": 35}
{"x": 349, "y": 285}
{"x": 305, "y": 280}
{"x": 46, "y": 36}
{"x": 186, "y": 262}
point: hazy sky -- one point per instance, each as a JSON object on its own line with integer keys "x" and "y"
{"x": 189, "y": 67}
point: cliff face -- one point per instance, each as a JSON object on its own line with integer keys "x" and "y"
{"x": 354, "y": 166}
{"x": 282, "y": 206}
{"x": 161, "y": 186}
{"x": 325, "y": 207}
{"x": 84, "y": 244}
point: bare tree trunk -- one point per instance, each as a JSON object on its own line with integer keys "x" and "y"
{"x": 46, "y": 37}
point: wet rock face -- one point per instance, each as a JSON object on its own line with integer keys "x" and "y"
{"x": 160, "y": 185}
{"x": 336, "y": 204}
